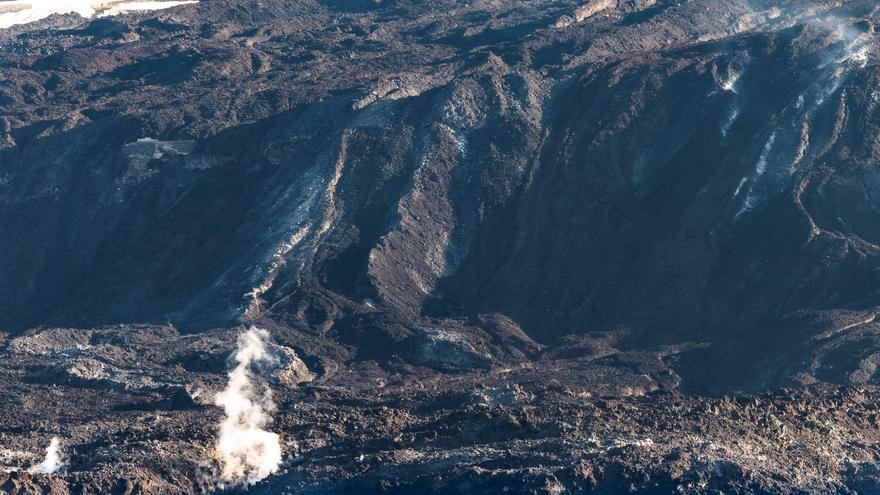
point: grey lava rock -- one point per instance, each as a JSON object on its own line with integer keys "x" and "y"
{"x": 579, "y": 246}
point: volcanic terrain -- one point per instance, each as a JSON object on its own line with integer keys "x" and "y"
{"x": 498, "y": 246}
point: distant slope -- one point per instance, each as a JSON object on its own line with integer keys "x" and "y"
{"x": 701, "y": 173}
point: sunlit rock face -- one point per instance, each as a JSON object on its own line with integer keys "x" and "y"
{"x": 25, "y": 11}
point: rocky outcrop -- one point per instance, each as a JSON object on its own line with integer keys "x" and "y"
{"x": 585, "y": 11}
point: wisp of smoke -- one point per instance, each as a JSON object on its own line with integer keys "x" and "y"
{"x": 52, "y": 462}
{"x": 729, "y": 84}
{"x": 852, "y": 42}
{"x": 248, "y": 452}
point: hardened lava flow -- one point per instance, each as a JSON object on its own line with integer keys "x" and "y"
{"x": 390, "y": 246}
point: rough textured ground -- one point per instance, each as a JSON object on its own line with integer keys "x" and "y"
{"x": 520, "y": 245}
{"x": 556, "y": 424}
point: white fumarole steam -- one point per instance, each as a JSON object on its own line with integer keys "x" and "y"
{"x": 729, "y": 84}
{"x": 52, "y": 462}
{"x": 247, "y": 451}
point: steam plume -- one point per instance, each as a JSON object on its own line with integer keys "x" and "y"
{"x": 53, "y": 462}
{"x": 729, "y": 84}
{"x": 248, "y": 452}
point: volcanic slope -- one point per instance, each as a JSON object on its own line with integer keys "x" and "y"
{"x": 629, "y": 197}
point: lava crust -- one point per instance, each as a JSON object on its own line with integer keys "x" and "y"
{"x": 512, "y": 246}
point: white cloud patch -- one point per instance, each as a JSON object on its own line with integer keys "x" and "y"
{"x": 247, "y": 451}
{"x": 26, "y": 11}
